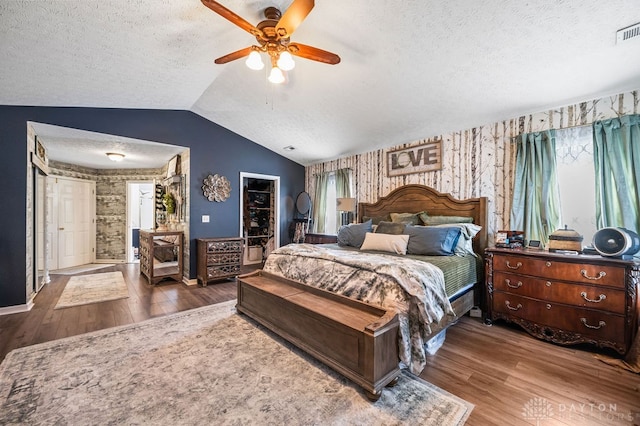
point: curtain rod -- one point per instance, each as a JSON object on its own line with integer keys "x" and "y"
{"x": 555, "y": 128}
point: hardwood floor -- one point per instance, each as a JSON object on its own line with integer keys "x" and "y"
{"x": 512, "y": 378}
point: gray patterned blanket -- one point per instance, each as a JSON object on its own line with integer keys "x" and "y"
{"x": 413, "y": 288}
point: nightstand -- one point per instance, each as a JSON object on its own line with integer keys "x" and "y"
{"x": 320, "y": 238}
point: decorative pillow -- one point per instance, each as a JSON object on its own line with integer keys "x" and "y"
{"x": 467, "y": 232}
{"x": 440, "y": 220}
{"x": 432, "y": 240}
{"x": 385, "y": 242}
{"x": 390, "y": 228}
{"x": 377, "y": 219}
{"x": 353, "y": 234}
{"x": 406, "y": 218}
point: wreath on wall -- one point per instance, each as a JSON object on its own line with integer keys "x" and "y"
{"x": 216, "y": 188}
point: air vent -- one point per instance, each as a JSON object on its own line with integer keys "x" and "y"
{"x": 629, "y": 33}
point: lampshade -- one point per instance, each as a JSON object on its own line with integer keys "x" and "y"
{"x": 276, "y": 76}
{"x": 254, "y": 61}
{"x": 346, "y": 204}
{"x": 114, "y": 156}
{"x": 285, "y": 62}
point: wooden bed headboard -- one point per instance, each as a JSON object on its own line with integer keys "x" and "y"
{"x": 417, "y": 198}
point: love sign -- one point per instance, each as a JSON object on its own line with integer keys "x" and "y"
{"x": 416, "y": 159}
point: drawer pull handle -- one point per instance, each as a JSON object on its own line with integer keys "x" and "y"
{"x": 548, "y": 283}
{"x": 600, "y": 298}
{"x": 513, "y": 309}
{"x": 600, "y": 275}
{"x": 514, "y": 286}
{"x": 513, "y": 267}
{"x": 595, "y": 327}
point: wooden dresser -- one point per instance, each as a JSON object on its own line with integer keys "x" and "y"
{"x": 218, "y": 258}
{"x": 565, "y": 299}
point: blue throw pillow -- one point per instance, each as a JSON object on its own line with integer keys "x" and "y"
{"x": 432, "y": 240}
{"x": 354, "y": 233}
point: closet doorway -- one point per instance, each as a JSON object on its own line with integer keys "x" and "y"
{"x": 259, "y": 216}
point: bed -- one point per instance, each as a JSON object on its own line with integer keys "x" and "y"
{"x": 429, "y": 292}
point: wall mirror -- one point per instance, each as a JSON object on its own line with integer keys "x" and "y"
{"x": 303, "y": 204}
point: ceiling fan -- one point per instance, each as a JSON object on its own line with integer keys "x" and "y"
{"x": 273, "y": 36}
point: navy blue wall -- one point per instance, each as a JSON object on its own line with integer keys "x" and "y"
{"x": 214, "y": 149}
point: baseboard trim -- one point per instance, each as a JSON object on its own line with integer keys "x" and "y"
{"x": 190, "y": 282}
{"x": 16, "y": 309}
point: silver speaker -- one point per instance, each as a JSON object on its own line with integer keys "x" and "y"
{"x": 616, "y": 242}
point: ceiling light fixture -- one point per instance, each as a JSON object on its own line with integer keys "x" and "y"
{"x": 114, "y": 156}
{"x": 273, "y": 35}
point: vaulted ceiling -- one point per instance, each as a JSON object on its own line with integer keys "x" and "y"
{"x": 409, "y": 69}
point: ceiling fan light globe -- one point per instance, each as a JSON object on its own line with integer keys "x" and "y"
{"x": 276, "y": 76}
{"x": 254, "y": 61}
{"x": 285, "y": 62}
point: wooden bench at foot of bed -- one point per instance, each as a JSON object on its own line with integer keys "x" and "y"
{"x": 356, "y": 339}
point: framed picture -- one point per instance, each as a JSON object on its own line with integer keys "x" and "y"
{"x": 172, "y": 169}
{"x": 501, "y": 238}
{"x": 416, "y": 159}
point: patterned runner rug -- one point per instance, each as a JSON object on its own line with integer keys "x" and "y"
{"x": 94, "y": 288}
{"x": 203, "y": 366}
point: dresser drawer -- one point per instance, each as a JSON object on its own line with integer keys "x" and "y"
{"x": 591, "y": 323}
{"x": 224, "y": 246}
{"x": 589, "y": 296}
{"x": 608, "y": 275}
{"x": 222, "y": 271}
{"x": 221, "y": 258}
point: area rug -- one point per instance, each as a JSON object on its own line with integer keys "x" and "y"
{"x": 204, "y": 366}
{"x": 93, "y": 288}
{"x": 81, "y": 269}
{"x": 630, "y": 362}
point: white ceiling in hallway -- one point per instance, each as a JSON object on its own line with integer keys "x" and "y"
{"x": 89, "y": 149}
{"x": 410, "y": 69}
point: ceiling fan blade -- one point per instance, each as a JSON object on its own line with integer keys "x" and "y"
{"x": 234, "y": 55}
{"x": 313, "y": 53}
{"x": 292, "y": 17}
{"x": 232, "y": 17}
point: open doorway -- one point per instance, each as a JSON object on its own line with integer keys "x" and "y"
{"x": 259, "y": 216}
{"x": 140, "y": 215}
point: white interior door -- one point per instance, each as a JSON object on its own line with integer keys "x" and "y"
{"x": 76, "y": 213}
{"x": 45, "y": 193}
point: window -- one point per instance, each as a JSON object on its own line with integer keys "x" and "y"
{"x": 331, "y": 213}
{"x": 329, "y": 187}
{"x": 576, "y": 180}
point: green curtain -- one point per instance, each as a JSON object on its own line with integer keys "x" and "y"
{"x": 320, "y": 202}
{"x": 343, "y": 190}
{"x": 536, "y": 196}
{"x": 616, "y": 154}
{"x": 343, "y": 183}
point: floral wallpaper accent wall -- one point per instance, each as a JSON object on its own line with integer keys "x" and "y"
{"x": 475, "y": 162}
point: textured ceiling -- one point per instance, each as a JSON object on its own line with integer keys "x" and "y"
{"x": 410, "y": 69}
